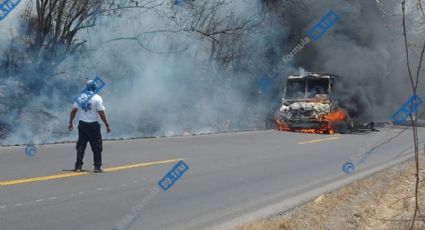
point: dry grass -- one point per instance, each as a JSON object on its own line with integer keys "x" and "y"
{"x": 382, "y": 201}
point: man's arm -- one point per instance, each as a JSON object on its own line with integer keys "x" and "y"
{"x": 102, "y": 116}
{"x": 71, "y": 118}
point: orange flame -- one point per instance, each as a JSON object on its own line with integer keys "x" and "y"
{"x": 326, "y": 121}
{"x": 308, "y": 130}
{"x": 338, "y": 115}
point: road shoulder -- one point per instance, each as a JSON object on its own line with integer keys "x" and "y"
{"x": 383, "y": 200}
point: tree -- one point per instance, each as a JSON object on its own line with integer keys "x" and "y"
{"x": 414, "y": 80}
{"x": 51, "y": 34}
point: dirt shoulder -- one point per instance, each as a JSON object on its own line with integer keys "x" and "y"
{"x": 384, "y": 200}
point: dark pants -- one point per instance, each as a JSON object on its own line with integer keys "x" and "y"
{"x": 89, "y": 132}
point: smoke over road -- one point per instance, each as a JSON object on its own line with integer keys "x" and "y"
{"x": 174, "y": 79}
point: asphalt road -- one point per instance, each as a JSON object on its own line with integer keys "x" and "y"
{"x": 232, "y": 177}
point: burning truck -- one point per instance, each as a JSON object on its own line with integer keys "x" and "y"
{"x": 310, "y": 104}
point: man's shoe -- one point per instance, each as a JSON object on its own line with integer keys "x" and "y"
{"x": 77, "y": 169}
{"x": 98, "y": 170}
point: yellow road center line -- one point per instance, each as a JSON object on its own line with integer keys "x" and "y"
{"x": 139, "y": 165}
{"x": 75, "y": 174}
{"x": 43, "y": 178}
{"x": 319, "y": 140}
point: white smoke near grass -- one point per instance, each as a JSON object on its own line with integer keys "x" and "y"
{"x": 164, "y": 93}
{"x": 167, "y": 83}
{"x": 170, "y": 86}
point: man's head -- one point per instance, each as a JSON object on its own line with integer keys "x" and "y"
{"x": 91, "y": 85}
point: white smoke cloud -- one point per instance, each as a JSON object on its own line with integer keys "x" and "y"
{"x": 172, "y": 89}
{"x": 155, "y": 93}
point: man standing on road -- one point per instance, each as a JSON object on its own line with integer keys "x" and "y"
{"x": 89, "y": 128}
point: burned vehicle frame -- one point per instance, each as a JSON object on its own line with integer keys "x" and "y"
{"x": 309, "y": 105}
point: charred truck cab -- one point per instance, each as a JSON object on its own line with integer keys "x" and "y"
{"x": 308, "y": 105}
